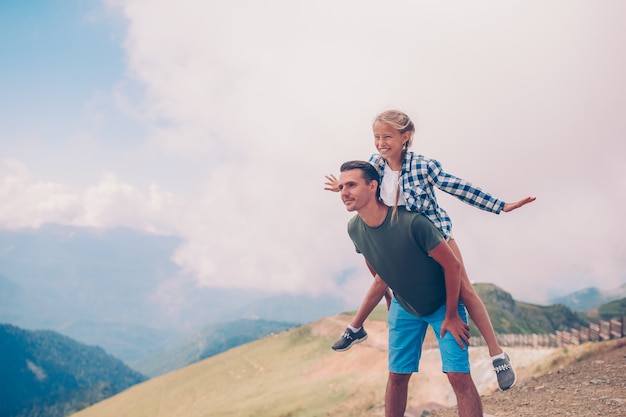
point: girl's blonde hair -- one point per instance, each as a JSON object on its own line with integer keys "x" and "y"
{"x": 399, "y": 121}
{"x": 402, "y": 123}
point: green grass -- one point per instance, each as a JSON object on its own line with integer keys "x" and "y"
{"x": 279, "y": 375}
{"x": 379, "y": 313}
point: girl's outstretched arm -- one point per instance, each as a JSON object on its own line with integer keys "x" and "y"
{"x": 512, "y": 206}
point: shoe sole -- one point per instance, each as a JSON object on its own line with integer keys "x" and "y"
{"x": 510, "y": 386}
{"x": 350, "y": 345}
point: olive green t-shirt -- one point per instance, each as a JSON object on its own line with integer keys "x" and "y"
{"x": 398, "y": 252}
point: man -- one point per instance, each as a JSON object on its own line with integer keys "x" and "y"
{"x": 410, "y": 256}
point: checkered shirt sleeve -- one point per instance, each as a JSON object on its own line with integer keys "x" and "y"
{"x": 461, "y": 189}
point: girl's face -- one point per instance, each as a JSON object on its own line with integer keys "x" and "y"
{"x": 388, "y": 141}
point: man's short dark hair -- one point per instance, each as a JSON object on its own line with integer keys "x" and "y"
{"x": 369, "y": 172}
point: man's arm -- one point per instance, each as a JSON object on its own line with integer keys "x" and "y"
{"x": 443, "y": 254}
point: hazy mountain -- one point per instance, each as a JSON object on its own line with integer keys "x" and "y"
{"x": 213, "y": 339}
{"x": 125, "y": 341}
{"x": 298, "y": 308}
{"x": 119, "y": 289}
{"x": 589, "y": 298}
{"x": 48, "y": 374}
{"x": 10, "y": 299}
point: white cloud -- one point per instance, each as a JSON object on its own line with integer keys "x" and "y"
{"x": 290, "y": 89}
{"x": 110, "y": 203}
{"x": 247, "y": 105}
{"x": 28, "y": 204}
{"x": 250, "y": 228}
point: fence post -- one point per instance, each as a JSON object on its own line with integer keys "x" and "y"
{"x": 595, "y": 332}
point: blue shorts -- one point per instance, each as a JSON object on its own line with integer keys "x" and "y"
{"x": 406, "y": 335}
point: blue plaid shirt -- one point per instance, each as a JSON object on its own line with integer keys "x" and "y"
{"x": 417, "y": 179}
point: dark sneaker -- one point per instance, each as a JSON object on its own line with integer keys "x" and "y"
{"x": 348, "y": 338}
{"x": 504, "y": 372}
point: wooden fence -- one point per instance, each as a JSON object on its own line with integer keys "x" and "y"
{"x": 603, "y": 330}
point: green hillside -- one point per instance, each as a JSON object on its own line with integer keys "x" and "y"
{"x": 286, "y": 374}
{"x": 615, "y": 309}
{"x": 47, "y": 374}
{"x": 510, "y": 316}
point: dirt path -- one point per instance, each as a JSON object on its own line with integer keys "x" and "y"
{"x": 590, "y": 380}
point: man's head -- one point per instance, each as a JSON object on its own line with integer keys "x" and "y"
{"x": 358, "y": 184}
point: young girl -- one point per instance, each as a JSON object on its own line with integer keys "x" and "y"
{"x": 408, "y": 180}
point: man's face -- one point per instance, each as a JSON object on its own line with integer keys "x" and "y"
{"x": 355, "y": 193}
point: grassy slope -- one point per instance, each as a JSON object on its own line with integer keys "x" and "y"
{"x": 295, "y": 374}
{"x": 286, "y": 374}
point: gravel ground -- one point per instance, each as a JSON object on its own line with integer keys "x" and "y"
{"x": 592, "y": 383}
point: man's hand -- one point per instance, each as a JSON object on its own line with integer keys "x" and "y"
{"x": 512, "y": 206}
{"x": 457, "y": 328}
{"x": 332, "y": 183}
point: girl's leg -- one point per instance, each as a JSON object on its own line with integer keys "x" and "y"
{"x": 377, "y": 290}
{"x": 355, "y": 332}
{"x": 475, "y": 306}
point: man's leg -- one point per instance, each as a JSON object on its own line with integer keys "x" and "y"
{"x": 406, "y": 335}
{"x": 396, "y": 394}
{"x": 467, "y": 397}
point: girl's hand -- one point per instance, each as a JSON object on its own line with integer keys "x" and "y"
{"x": 332, "y": 183}
{"x": 512, "y": 206}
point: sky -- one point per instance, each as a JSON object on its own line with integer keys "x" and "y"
{"x": 217, "y": 121}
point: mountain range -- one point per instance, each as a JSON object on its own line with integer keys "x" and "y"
{"x": 588, "y": 298}
{"x": 119, "y": 289}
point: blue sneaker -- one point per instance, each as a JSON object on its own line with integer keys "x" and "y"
{"x": 349, "y": 338}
